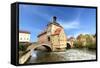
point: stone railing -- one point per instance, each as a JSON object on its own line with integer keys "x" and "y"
{"x": 25, "y": 57}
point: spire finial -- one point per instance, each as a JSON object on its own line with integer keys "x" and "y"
{"x": 54, "y": 19}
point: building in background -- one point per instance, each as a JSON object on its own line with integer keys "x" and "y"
{"x": 54, "y": 35}
{"x": 24, "y": 36}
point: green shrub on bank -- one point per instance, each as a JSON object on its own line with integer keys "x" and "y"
{"x": 85, "y": 41}
{"x": 78, "y": 44}
{"x": 21, "y": 47}
{"x": 91, "y": 45}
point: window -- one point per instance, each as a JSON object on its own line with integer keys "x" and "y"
{"x": 20, "y": 38}
{"x": 24, "y": 39}
{"x": 48, "y": 38}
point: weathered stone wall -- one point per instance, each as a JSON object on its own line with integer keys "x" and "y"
{"x": 43, "y": 38}
{"x": 63, "y": 39}
{"x": 58, "y": 41}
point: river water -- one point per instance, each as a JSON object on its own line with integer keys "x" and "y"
{"x": 68, "y": 55}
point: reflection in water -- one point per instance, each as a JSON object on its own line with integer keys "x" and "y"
{"x": 68, "y": 55}
{"x": 34, "y": 54}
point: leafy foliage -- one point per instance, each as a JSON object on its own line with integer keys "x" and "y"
{"x": 23, "y": 47}
{"x": 91, "y": 45}
{"x": 86, "y": 40}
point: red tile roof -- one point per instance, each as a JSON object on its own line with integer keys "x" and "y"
{"x": 57, "y": 32}
{"x": 42, "y": 33}
{"x": 24, "y": 32}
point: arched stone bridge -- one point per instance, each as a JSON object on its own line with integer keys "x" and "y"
{"x": 70, "y": 44}
{"x": 48, "y": 46}
{"x": 33, "y": 47}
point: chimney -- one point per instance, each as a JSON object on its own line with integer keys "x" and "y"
{"x": 54, "y": 19}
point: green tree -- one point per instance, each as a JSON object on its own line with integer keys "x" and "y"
{"x": 90, "y": 41}
{"x": 81, "y": 40}
{"x": 21, "y": 47}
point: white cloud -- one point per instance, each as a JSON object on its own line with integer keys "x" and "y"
{"x": 70, "y": 25}
{"x": 68, "y": 36}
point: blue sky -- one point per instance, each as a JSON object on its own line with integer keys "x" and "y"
{"x": 34, "y": 18}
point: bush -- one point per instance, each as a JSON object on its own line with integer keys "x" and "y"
{"x": 21, "y": 47}
{"x": 75, "y": 45}
{"x": 78, "y": 44}
{"x": 91, "y": 45}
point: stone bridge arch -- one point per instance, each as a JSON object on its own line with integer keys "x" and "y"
{"x": 32, "y": 47}
{"x": 48, "y": 47}
{"x": 69, "y": 44}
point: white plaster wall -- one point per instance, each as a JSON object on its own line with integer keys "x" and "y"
{"x": 24, "y": 37}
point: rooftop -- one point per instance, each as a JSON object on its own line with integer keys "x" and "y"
{"x": 54, "y": 22}
{"x": 20, "y": 31}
